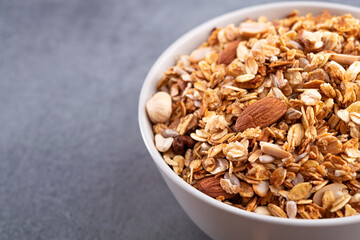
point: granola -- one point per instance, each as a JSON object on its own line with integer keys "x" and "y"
{"x": 265, "y": 116}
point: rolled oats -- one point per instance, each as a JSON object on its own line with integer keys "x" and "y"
{"x": 300, "y": 191}
{"x": 349, "y": 211}
{"x": 277, "y": 178}
{"x": 310, "y": 97}
{"x": 265, "y": 116}
{"x": 220, "y": 165}
{"x": 328, "y": 199}
{"x": 340, "y": 203}
{"x": 276, "y": 211}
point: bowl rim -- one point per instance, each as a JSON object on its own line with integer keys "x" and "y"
{"x": 165, "y": 169}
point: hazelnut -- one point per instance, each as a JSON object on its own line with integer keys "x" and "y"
{"x": 159, "y": 107}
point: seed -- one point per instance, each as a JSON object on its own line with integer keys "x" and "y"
{"x": 266, "y": 159}
{"x": 337, "y": 189}
{"x": 291, "y": 209}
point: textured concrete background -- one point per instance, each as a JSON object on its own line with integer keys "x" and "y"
{"x": 72, "y": 162}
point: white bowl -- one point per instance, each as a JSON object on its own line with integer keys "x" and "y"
{"x": 216, "y": 219}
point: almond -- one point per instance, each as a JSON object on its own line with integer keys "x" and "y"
{"x": 211, "y": 186}
{"x": 344, "y": 58}
{"x": 338, "y": 190}
{"x": 262, "y": 113}
{"x": 250, "y": 29}
{"x": 274, "y": 150}
{"x": 228, "y": 54}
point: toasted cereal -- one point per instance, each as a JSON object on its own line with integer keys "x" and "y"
{"x": 265, "y": 116}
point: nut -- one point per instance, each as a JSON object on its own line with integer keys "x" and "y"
{"x": 274, "y": 150}
{"x": 163, "y": 144}
{"x": 272, "y": 109}
{"x": 211, "y": 186}
{"x": 159, "y": 107}
{"x": 250, "y": 29}
{"x": 337, "y": 189}
{"x": 262, "y": 188}
{"x": 230, "y": 183}
{"x": 221, "y": 165}
{"x": 344, "y": 58}
{"x": 200, "y": 54}
{"x": 266, "y": 159}
{"x": 262, "y": 113}
{"x": 228, "y": 54}
{"x": 181, "y": 143}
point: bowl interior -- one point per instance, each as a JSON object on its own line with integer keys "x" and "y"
{"x": 192, "y": 40}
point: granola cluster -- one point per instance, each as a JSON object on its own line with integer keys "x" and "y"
{"x": 265, "y": 116}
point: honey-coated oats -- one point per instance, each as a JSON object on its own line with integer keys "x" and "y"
{"x": 265, "y": 116}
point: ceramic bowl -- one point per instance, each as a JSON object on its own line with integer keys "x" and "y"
{"x": 216, "y": 219}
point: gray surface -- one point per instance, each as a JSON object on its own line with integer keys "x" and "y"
{"x": 73, "y": 164}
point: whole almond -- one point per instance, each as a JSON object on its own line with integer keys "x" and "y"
{"x": 229, "y": 53}
{"x": 211, "y": 186}
{"x": 261, "y": 113}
